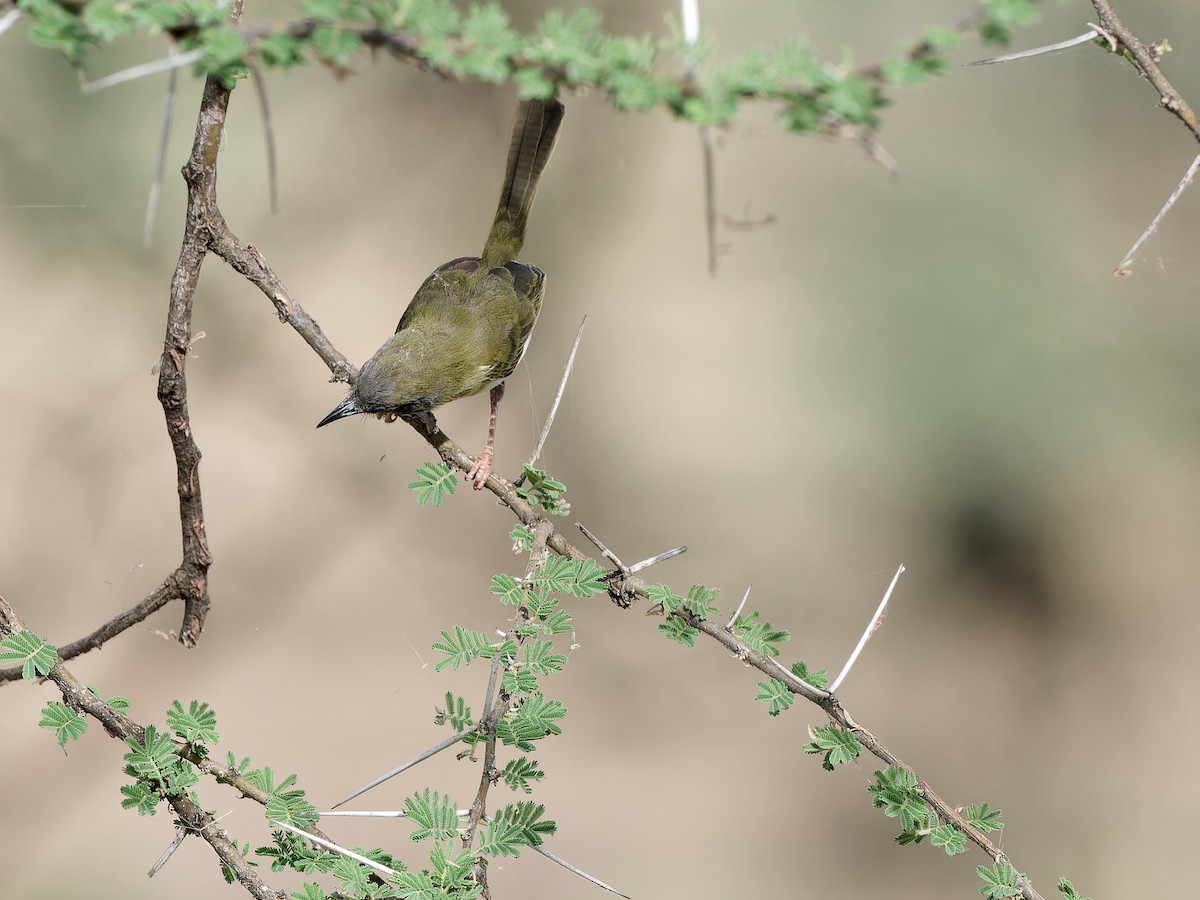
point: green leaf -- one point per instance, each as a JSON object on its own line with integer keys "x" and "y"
{"x": 760, "y": 636}
{"x": 583, "y": 578}
{"x": 140, "y": 796}
{"x": 518, "y": 682}
{"x": 816, "y": 678}
{"x": 336, "y": 45}
{"x": 896, "y": 792}
{"x": 838, "y": 744}
{"x": 999, "y": 882}
{"x": 699, "y": 600}
{"x": 37, "y": 657}
{"x": 543, "y": 491}
{"x": 1068, "y": 890}
{"x": 679, "y": 631}
{"x": 663, "y": 596}
{"x": 522, "y": 539}
{"x": 775, "y": 694}
{"x": 518, "y": 773}
{"x": 983, "y": 817}
{"x": 281, "y": 51}
{"x": 197, "y": 726}
{"x": 515, "y": 826}
{"x": 290, "y": 807}
{"x": 435, "y": 483}
{"x": 66, "y": 723}
{"x": 948, "y": 839}
{"x": 539, "y": 657}
{"x": 309, "y": 891}
{"x": 461, "y": 647}
{"x": 508, "y": 589}
{"x": 354, "y": 879}
{"x": 457, "y": 713}
{"x": 434, "y": 815}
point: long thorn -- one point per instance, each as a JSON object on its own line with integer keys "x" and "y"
{"x": 1124, "y": 268}
{"x": 260, "y": 88}
{"x": 737, "y": 612}
{"x": 562, "y": 386}
{"x": 144, "y": 70}
{"x": 9, "y": 19}
{"x": 449, "y": 742}
{"x": 1089, "y": 35}
{"x": 876, "y": 621}
{"x": 160, "y": 164}
{"x": 655, "y": 560}
{"x": 608, "y": 554}
{"x": 582, "y": 874}
{"x": 337, "y": 848}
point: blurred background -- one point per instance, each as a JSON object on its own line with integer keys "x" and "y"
{"x": 938, "y": 370}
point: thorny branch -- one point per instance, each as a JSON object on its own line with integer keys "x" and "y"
{"x": 189, "y": 815}
{"x": 207, "y": 231}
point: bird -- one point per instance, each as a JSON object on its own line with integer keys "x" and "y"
{"x": 469, "y": 324}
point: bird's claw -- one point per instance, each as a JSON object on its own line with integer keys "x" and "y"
{"x": 479, "y": 473}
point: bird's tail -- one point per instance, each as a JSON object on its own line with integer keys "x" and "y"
{"x": 532, "y": 140}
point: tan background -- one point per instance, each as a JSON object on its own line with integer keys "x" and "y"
{"x": 940, "y": 372}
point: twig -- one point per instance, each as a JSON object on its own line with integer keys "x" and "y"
{"x": 1123, "y": 269}
{"x": 1090, "y": 35}
{"x": 449, "y": 742}
{"x": 143, "y": 70}
{"x": 562, "y": 386}
{"x": 160, "y": 164}
{"x": 582, "y": 874}
{"x": 872, "y": 627}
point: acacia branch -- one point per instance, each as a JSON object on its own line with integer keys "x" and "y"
{"x": 118, "y": 725}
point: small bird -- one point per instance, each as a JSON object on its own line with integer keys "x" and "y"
{"x": 469, "y": 324}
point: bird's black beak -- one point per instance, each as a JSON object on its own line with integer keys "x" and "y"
{"x": 348, "y": 407}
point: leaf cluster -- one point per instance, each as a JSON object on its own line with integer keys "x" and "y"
{"x": 563, "y": 51}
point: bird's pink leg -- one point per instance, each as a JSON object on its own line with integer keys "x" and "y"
{"x": 483, "y": 463}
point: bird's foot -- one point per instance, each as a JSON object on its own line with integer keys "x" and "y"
{"x": 479, "y": 473}
{"x": 388, "y": 417}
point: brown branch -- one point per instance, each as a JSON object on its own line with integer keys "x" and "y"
{"x": 623, "y": 589}
{"x": 1145, "y": 61}
{"x": 118, "y": 725}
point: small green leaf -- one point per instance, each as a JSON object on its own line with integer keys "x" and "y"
{"x": 999, "y": 882}
{"x": 1068, "y": 890}
{"x": 699, "y": 600}
{"x": 66, "y": 723}
{"x": 948, "y": 839}
{"x": 461, "y": 647}
{"x": 838, "y": 744}
{"x": 522, "y": 539}
{"x": 508, "y": 589}
{"x": 775, "y": 694}
{"x": 433, "y": 814}
{"x": 197, "y": 726}
{"x": 37, "y": 657}
{"x": 817, "y": 678}
{"x": 435, "y": 483}
{"x": 663, "y": 596}
{"x": 983, "y": 817}
{"x": 679, "y": 631}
